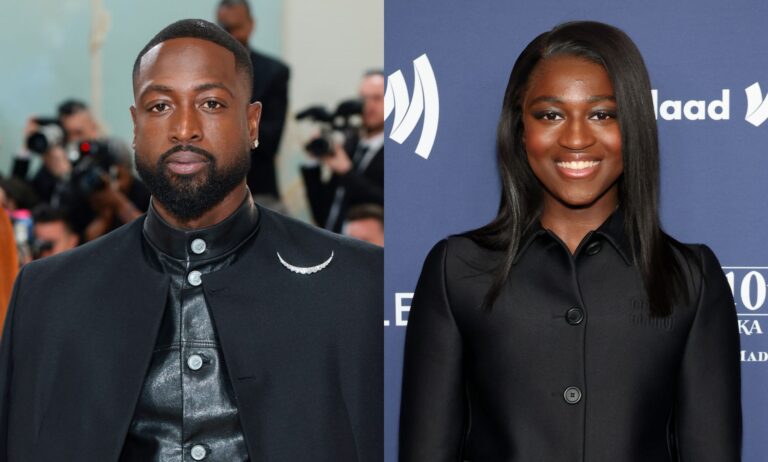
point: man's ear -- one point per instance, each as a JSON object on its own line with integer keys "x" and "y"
{"x": 133, "y": 118}
{"x": 254, "y": 116}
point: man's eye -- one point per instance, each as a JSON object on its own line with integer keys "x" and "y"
{"x": 159, "y": 107}
{"x": 213, "y": 104}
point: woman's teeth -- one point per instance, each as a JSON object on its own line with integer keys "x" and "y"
{"x": 578, "y": 164}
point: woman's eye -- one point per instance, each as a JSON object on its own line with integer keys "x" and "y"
{"x": 548, "y": 116}
{"x": 603, "y": 115}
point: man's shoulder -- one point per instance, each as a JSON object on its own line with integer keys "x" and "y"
{"x": 298, "y": 234}
{"x": 115, "y": 245}
{"x": 293, "y": 229}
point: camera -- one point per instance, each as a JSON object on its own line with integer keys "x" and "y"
{"x": 335, "y": 128}
{"x": 92, "y": 160}
{"x": 49, "y": 133}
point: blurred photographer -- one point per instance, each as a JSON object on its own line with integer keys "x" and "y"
{"x": 366, "y": 223}
{"x": 83, "y": 172}
{"x": 44, "y": 137}
{"x": 103, "y": 176}
{"x": 78, "y": 122}
{"x": 53, "y": 233}
{"x": 356, "y": 165}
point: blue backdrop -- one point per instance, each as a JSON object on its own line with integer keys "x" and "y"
{"x": 709, "y": 65}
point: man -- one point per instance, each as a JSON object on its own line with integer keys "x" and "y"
{"x": 52, "y": 231}
{"x": 98, "y": 210}
{"x": 366, "y": 222}
{"x": 120, "y": 197}
{"x": 78, "y": 122}
{"x": 270, "y": 87}
{"x": 212, "y": 329}
{"x": 50, "y": 181}
{"x": 357, "y": 178}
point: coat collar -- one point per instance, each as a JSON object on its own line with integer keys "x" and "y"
{"x": 612, "y": 230}
{"x": 204, "y": 243}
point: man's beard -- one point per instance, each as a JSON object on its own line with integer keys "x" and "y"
{"x": 188, "y": 197}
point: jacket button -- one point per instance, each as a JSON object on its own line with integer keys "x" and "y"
{"x": 574, "y": 316}
{"x": 198, "y": 246}
{"x": 195, "y": 278}
{"x": 594, "y": 248}
{"x": 195, "y": 362}
{"x": 198, "y": 452}
{"x": 572, "y": 395}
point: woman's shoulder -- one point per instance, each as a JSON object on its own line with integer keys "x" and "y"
{"x": 459, "y": 256}
{"x": 462, "y": 248}
{"x": 698, "y": 261}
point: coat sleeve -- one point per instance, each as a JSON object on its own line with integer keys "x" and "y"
{"x": 6, "y": 368}
{"x": 708, "y": 414}
{"x": 433, "y": 406}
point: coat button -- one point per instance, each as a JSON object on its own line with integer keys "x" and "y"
{"x": 195, "y": 278}
{"x": 572, "y": 395}
{"x": 198, "y": 452}
{"x": 198, "y": 246}
{"x": 594, "y": 248}
{"x": 195, "y": 362}
{"x": 574, "y": 316}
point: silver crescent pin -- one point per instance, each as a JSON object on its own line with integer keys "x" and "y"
{"x": 305, "y": 269}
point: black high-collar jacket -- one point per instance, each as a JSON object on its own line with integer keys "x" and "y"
{"x": 303, "y": 352}
{"x": 568, "y": 365}
{"x": 187, "y": 408}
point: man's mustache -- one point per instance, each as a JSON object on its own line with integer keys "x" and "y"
{"x": 189, "y": 148}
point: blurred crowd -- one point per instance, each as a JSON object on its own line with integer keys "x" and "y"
{"x": 70, "y": 183}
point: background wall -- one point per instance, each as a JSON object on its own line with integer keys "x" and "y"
{"x": 712, "y": 170}
{"x": 329, "y": 45}
{"x": 46, "y": 52}
{"x": 45, "y": 46}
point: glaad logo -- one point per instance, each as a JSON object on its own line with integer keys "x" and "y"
{"x": 757, "y": 106}
{"x": 693, "y": 109}
{"x": 407, "y": 114}
{"x": 717, "y": 109}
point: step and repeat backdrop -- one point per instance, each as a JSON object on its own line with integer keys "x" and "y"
{"x": 448, "y": 62}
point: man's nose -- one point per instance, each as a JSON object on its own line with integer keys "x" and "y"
{"x": 186, "y": 125}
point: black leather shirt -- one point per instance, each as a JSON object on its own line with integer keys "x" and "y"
{"x": 187, "y": 410}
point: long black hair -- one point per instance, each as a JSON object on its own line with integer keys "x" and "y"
{"x": 521, "y": 198}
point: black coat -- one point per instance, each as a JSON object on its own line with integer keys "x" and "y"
{"x": 304, "y": 352}
{"x": 484, "y": 386}
{"x": 270, "y": 87}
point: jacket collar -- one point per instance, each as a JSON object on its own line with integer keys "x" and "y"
{"x": 612, "y": 230}
{"x": 204, "y": 243}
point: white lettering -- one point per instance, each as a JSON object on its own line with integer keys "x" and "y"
{"x": 749, "y": 327}
{"x": 750, "y": 356}
{"x": 747, "y": 300}
{"x": 675, "y": 114}
{"x": 723, "y": 104}
{"x": 695, "y": 109}
{"x": 699, "y": 106}
{"x": 401, "y": 308}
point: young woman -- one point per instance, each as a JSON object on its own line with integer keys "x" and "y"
{"x": 571, "y": 327}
